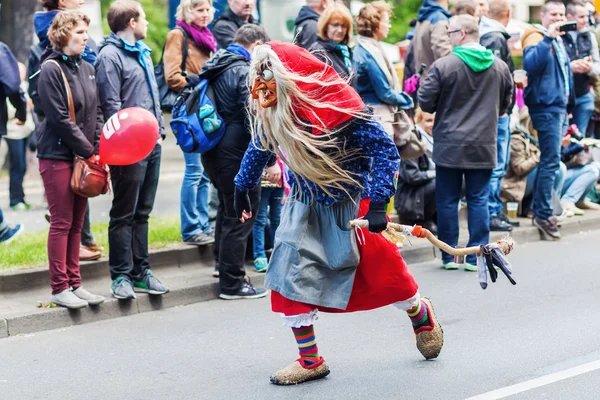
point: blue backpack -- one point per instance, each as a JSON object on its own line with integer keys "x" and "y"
{"x": 195, "y": 122}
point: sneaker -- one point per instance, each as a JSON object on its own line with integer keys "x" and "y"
{"x": 572, "y": 207}
{"x": 247, "y": 291}
{"x": 548, "y": 227}
{"x": 150, "y": 284}
{"x": 587, "y": 204}
{"x": 512, "y": 222}
{"x": 22, "y": 206}
{"x": 92, "y": 299}
{"x": 497, "y": 225}
{"x": 67, "y": 299}
{"x": 94, "y": 247}
{"x": 261, "y": 264}
{"x": 216, "y": 271}
{"x": 450, "y": 265}
{"x": 11, "y": 233}
{"x": 86, "y": 254}
{"x": 122, "y": 289}
{"x": 470, "y": 267}
{"x": 200, "y": 239}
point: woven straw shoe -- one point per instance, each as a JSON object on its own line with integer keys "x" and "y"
{"x": 296, "y": 373}
{"x": 430, "y": 339}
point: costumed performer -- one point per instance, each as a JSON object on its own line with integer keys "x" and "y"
{"x": 343, "y": 165}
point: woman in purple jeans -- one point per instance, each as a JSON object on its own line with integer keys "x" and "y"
{"x": 71, "y": 128}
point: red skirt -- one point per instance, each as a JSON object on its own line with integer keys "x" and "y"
{"x": 382, "y": 278}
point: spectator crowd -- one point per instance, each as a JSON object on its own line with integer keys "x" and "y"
{"x": 473, "y": 129}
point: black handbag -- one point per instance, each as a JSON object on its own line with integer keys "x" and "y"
{"x": 166, "y": 95}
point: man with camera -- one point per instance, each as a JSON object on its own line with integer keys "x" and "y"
{"x": 548, "y": 94}
{"x": 582, "y": 47}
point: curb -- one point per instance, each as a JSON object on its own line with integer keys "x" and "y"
{"x": 14, "y": 281}
{"x": 46, "y": 319}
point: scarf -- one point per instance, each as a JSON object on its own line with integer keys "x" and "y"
{"x": 343, "y": 49}
{"x": 239, "y": 50}
{"x": 202, "y": 37}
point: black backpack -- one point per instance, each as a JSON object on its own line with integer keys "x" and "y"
{"x": 33, "y": 74}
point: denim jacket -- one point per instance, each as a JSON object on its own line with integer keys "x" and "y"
{"x": 371, "y": 83}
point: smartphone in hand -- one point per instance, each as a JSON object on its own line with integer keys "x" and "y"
{"x": 570, "y": 26}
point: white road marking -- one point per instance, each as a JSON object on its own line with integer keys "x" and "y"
{"x": 538, "y": 382}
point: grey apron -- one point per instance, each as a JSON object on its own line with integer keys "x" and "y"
{"x": 315, "y": 254}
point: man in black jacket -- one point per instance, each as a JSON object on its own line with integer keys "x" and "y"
{"x": 493, "y": 36}
{"x": 125, "y": 78}
{"x": 228, "y": 74}
{"x": 305, "y": 31}
{"x": 10, "y": 88}
{"x": 238, "y": 14}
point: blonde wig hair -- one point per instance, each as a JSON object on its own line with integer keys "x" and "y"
{"x": 184, "y": 10}
{"x": 62, "y": 25}
{"x": 310, "y": 157}
{"x": 336, "y": 10}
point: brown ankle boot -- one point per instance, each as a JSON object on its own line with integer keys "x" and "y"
{"x": 297, "y": 372}
{"x": 430, "y": 339}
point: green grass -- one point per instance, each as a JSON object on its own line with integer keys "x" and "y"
{"x": 29, "y": 250}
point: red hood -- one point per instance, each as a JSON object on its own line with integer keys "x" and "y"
{"x": 301, "y": 62}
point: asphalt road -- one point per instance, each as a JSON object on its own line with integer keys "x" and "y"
{"x": 536, "y": 340}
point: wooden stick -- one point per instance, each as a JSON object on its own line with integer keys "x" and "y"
{"x": 506, "y": 244}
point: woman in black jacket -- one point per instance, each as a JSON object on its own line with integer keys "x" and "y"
{"x": 60, "y": 140}
{"x": 335, "y": 30}
{"x": 415, "y": 195}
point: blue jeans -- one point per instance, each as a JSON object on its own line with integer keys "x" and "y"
{"x": 134, "y": 191}
{"x": 559, "y": 180}
{"x": 550, "y": 127}
{"x": 269, "y": 208}
{"x": 3, "y": 224}
{"x": 448, "y": 182}
{"x": 503, "y": 144}
{"x": 194, "y": 197}
{"x": 583, "y": 111}
{"x": 579, "y": 182}
{"x": 17, "y": 158}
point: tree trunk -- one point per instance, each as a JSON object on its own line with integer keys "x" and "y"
{"x": 16, "y": 26}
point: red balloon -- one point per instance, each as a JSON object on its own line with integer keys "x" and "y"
{"x": 128, "y": 137}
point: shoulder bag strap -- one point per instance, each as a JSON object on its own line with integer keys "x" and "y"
{"x": 67, "y": 88}
{"x": 184, "y": 52}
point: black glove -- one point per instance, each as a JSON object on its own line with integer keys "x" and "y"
{"x": 241, "y": 202}
{"x": 495, "y": 257}
{"x": 377, "y": 217}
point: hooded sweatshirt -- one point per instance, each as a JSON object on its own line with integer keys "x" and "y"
{"x": 477, "y": 57}
{"x": 41, "y": 23}
{"x": 305, "y": 31}
{"x": 431, "y": 39}
{"x": 466, "y": 120}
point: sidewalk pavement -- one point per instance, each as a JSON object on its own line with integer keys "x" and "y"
{"x": 187, "y": 271}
